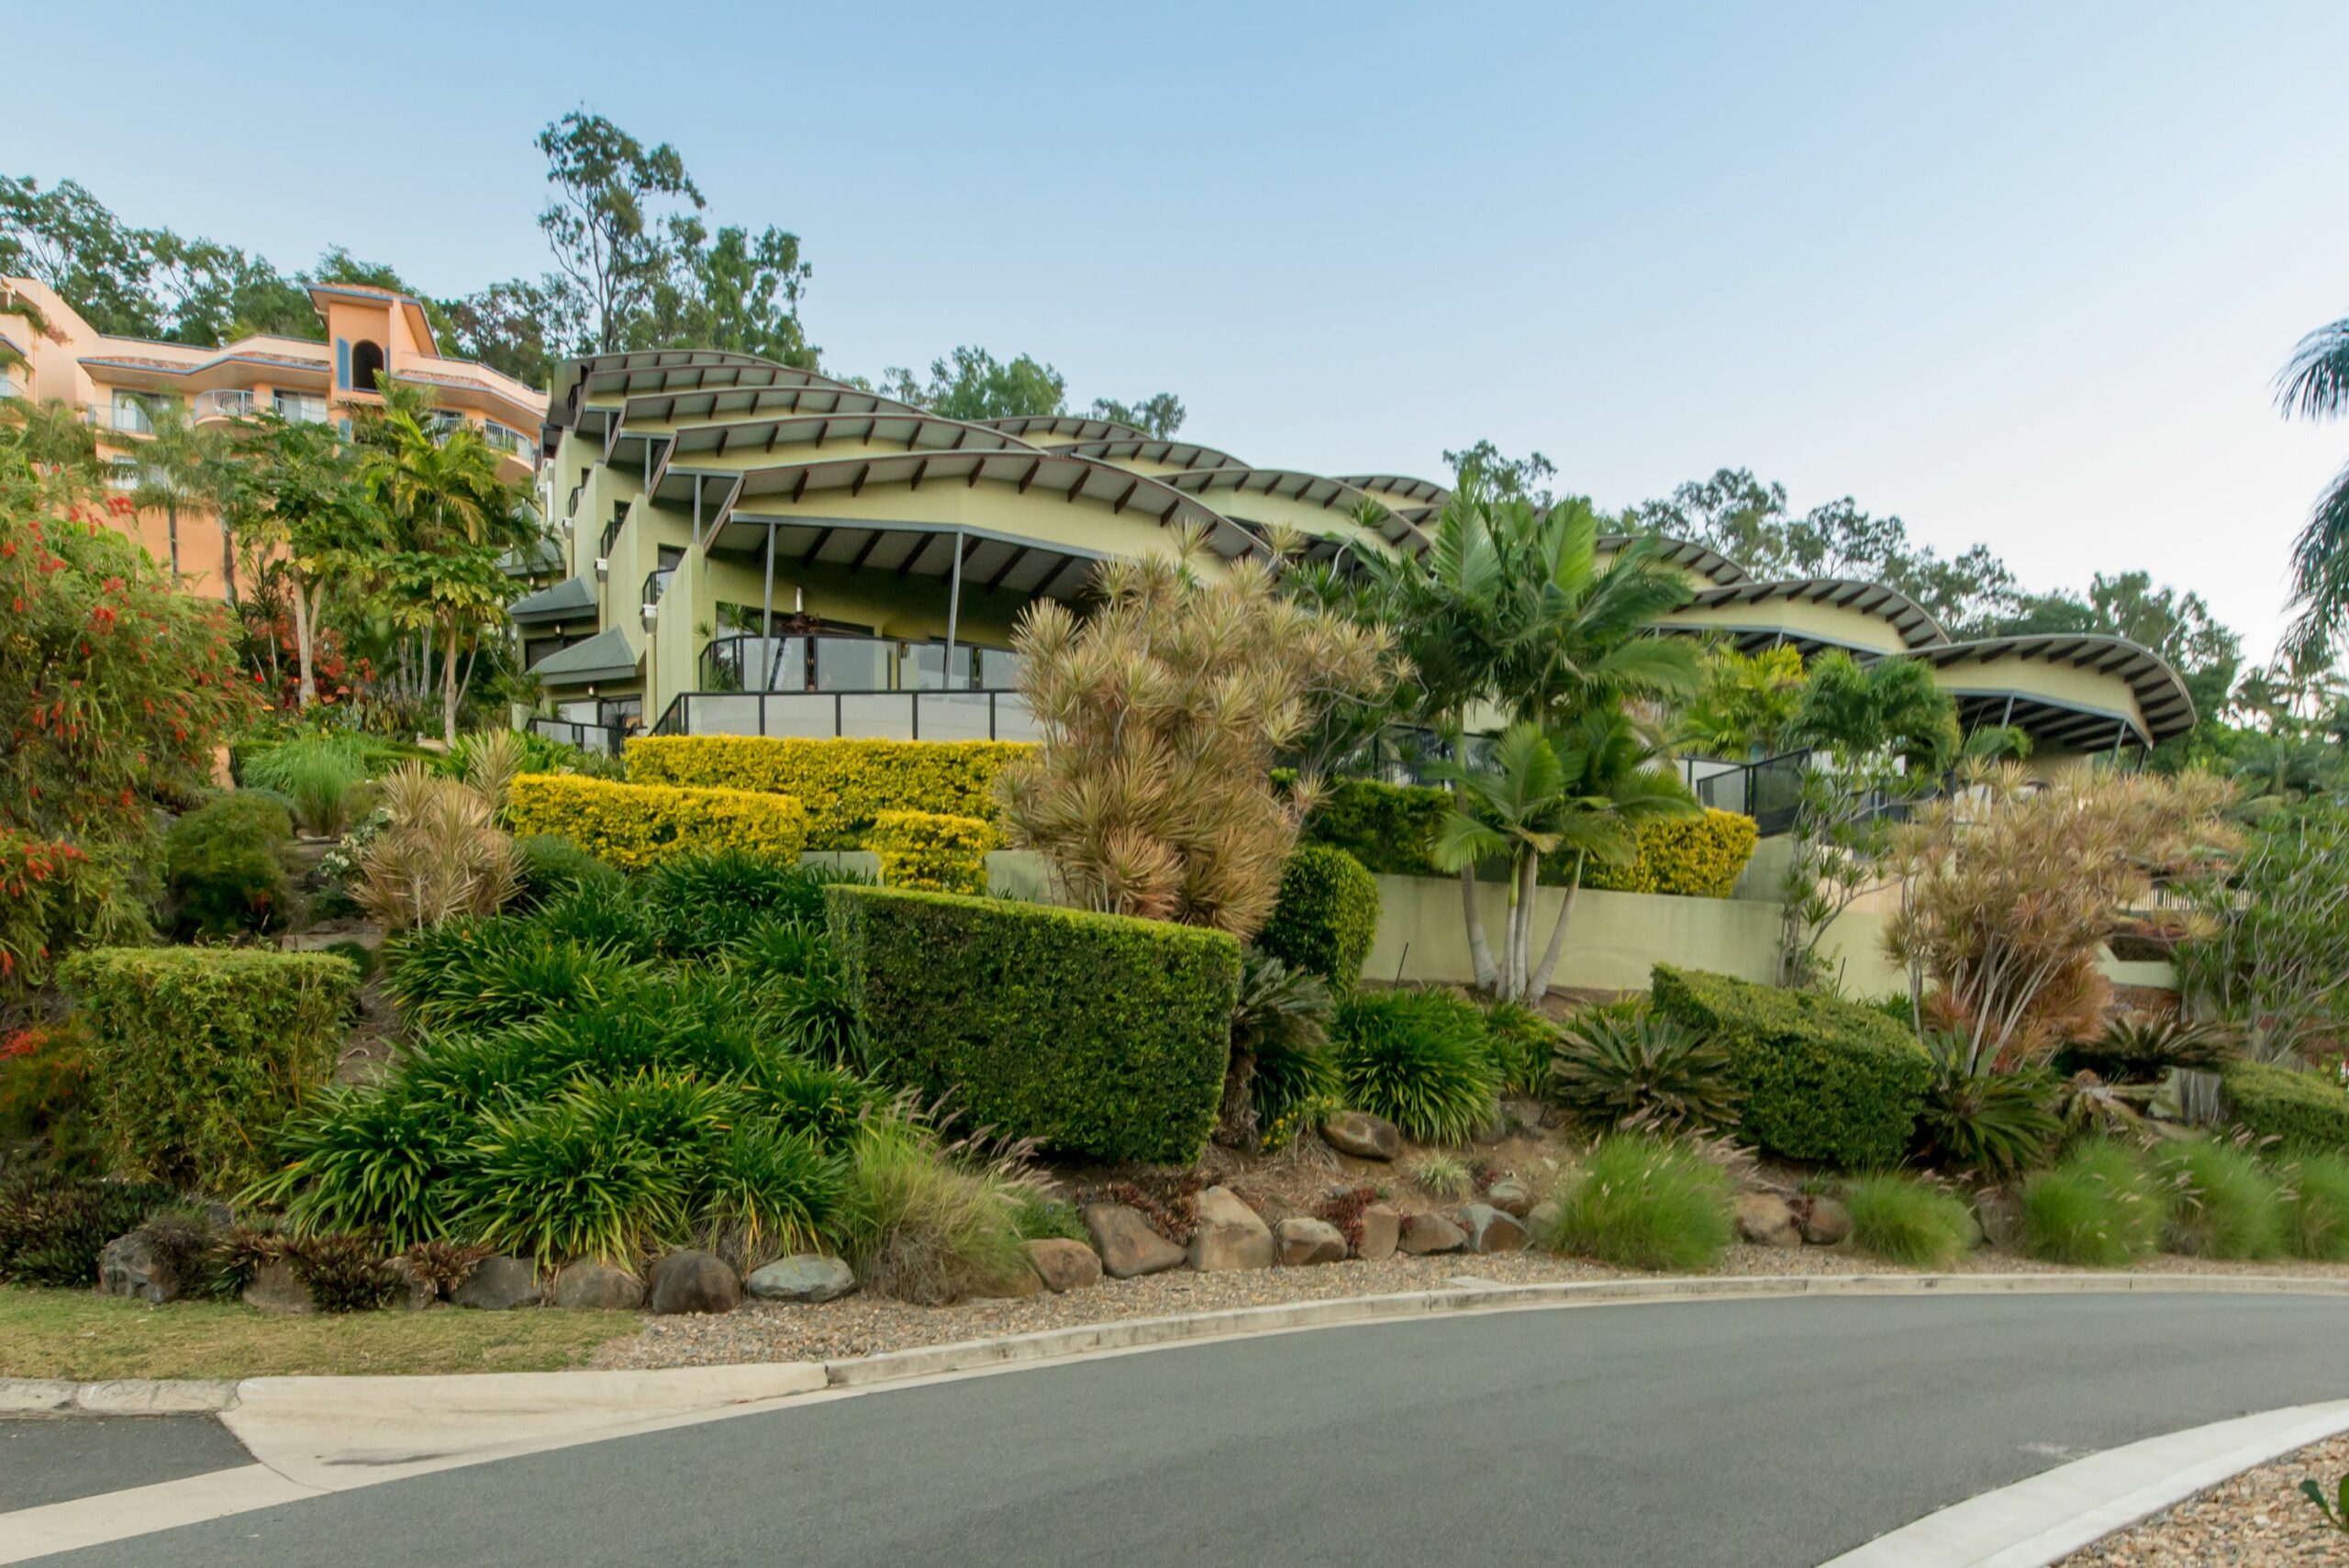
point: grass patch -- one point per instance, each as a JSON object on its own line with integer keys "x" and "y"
{"x": 2223, "y": 1204}
{"x": 1908, "y": 1222}
{"x": 2096, "y": 1207}
{"x": 1644, "y": 1203}
{"x": 86, "y": 1337}
{"x": 2316, "y": 1207}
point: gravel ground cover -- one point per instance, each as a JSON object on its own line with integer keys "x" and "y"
{"x": 2257, "y": 1520}
{"x": 860, "y": 1325}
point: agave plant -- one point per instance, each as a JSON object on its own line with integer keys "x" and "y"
{"x": 2143, "y": 1047}
{"x": 1612, "y": 1066}
{"x": 1976, "y": 1117}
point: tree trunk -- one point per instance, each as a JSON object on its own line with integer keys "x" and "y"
{"x": 307, "y": 691}
{"x": 1528, "y": 877}
{"x": 227, "y": 561}
{"x": 1236, "y": 1125}
{"x": 171, "y": 533}
{"x": 1480, "y": 951}
{"x": 1540, "y": 983}
{"x": 449, "y": 686}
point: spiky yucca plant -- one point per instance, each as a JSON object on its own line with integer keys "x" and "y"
{"x": 439, "y": 855}
{"x": 1612, "y": 1066}
{"x": 1162, "y": 714}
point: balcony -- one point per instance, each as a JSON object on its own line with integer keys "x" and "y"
{"x": 853, "y": 715}
{"x": 128, "y": 418}
{"x": 11, "y": 388}
{"x": 512, "y": 442}
{"x": 225, "y": 404}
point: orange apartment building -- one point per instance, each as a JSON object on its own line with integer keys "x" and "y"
{"x": 118, "y": 382}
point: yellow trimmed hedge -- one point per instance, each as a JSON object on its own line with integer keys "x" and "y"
{"x": 932, "y": 853}
{"x": 1698, "y": 857}
{"x": 634, "y": 826}
{"x": 845, "y": 785}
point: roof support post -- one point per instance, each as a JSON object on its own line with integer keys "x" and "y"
{"x": 697, "y": 515}
{"x": 953, "y": 609}
{"x": 766, "y": 616}
{"x": 2120, "y": 733}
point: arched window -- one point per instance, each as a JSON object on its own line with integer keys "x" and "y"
{"x": 366, "y": 363}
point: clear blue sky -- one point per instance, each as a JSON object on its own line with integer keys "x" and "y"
{"x": 2021, "y": 273}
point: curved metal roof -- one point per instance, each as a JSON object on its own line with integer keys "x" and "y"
{"x": 1312, "y": 489}
{"x": 1917, "y": 628}
{"x": 1182, "y": 455}
{"x": 1070, "y": 426}
{"x": 1707, "y": 563}
{"x": 2161, "y": 694}
{"x": 1046, "y": 474}
{"x": 1412, "y": 489}
{"x": 668, "y": 370}
{"x": 750, "y": 403}
{"x": 912, "y": 431}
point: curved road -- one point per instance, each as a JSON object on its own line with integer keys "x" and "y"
{"x": 1752, "y": 1434}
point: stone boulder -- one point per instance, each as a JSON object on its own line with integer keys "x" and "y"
{"x": 1128, "y": 1247}
{"x": 1825, "y": 1222}
{"x": 1543, "y": 1219}
{"x": 500, "y": 1284}
{"x": 598, "y": 1287}
{"x": 1363, "y": 1134}
{"x": 1229, "y": 1235}
{"x": 415, "y": 1292}
{"x": 1382, "y": 1229}
{"x": 1512, "y": 1197}
{"x": 1489, "y": 1229}
{"x": 1767, "y": 1220}
{"x": 275, "y": 1288}
{"x": 1063, "y": 1265}
{"x": 1426, "y": 1233}
{"x": 1998, "y": 1215}
{"x": 1307, "y": 1241}
{"x": 805, "y": 1278}
{"x": 694, "y": 1282}
{"x": 133, "y": 1266}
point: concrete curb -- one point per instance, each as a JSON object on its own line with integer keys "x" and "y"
{"x": 133, "y": 1396}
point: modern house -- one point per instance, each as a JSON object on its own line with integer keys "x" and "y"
{"x": 751, "y": 549}
{"x": 119, "y": 384}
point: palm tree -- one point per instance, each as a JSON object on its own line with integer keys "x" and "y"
{"x": 185, "y": 464}
{"x": 52, "y": 434}
{"x": 1581, "y": 792}
{"x": 2315, "y": 384}
{"x": 451, "y": 518}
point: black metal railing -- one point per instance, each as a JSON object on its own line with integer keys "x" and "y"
{"x": 603, "y": 739}
{"x": 611, "y": 532}
{"x": 865, "y": 714}
{"x": 1768, "y": 790}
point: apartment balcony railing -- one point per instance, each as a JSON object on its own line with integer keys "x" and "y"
{"x": 832, "y": 715}
{"x": 603, "y": 739}
{"x": 130, "y": 418}
{"x": 228, "y": 403}
{"x": 11, "y": 388}
{"x": 509, "y": 440}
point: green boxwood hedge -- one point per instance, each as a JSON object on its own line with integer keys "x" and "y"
{"x": 1820, "y": 1079}
{"x": 1326, "y": 915}
{"x": 196, "y": 1054}
{"x": 1094, "y": 1034}
{"x": 2301, "y": 1110}
{"x": 1388, "y": 828}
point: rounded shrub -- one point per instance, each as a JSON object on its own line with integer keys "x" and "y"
{"x": 2097, "y": 1206}
{"x": 551, "y": 866}
{"x": 922, "y": 1227}
{"x": 224, "y": 867}
{"x": 1643, "y": 1203}
{"x": 700, "y": 904}
{"x": 1906, "y": 1221}
{"x": 1420, "y": 1059}
{"x": 2316, "y": 1206}
{"x": 1326, "y": 915}
{"x": 2222, "y": 1202}
{"x": 1521, "y": 1040}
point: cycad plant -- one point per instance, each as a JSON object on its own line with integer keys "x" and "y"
{"x": 1279, "y": 1061}
{"x": 1162, "y": 714}
{"x": 1579, "y": 794}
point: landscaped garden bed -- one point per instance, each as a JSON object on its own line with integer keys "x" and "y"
{"x": 2257, "y": 1519}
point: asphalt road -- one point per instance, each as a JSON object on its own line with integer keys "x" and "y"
{"x": 1752, "y": 1434}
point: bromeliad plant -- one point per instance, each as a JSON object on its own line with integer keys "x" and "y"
{"x": 1617, "y": 1065}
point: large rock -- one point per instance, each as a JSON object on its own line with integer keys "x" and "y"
{"x": 1363, "y": 1134}
{"x": 1997, "y": 1214}
{"x": 1382, "y": 1228}
{"x": 805, "y": 1277}
{"x": 499, "y": 1284}
{"x": 694, "y": 1282}
{"x": 1230, "y": 1234}
{"x": 1064, "y": 1264}
{"x": 1425, "y": 1233}
{"x": 1512, "y": 1197}
{"x": 1491, "y": 1231}
{"x": 1307, "y": 1241}
{"x": 1542, "y": 1219}
{"x": 598, "y": 1287}
{"x": 131, "y": 1265}
{"x": 275, "y": 1288}
{"x": 416, "y": 1291}
{"x": 1767, "y": 1220}
{"x": 1011, "y": 1285}
{"x": 1128, "y": 1247}
{"x": 1825, "y": 1222}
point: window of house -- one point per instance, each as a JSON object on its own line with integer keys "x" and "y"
{"x": 366, "y": 364}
